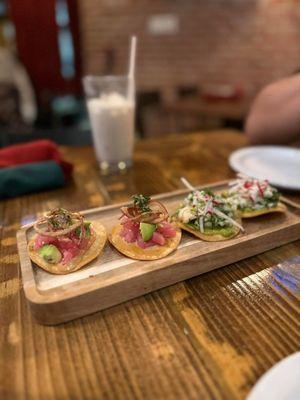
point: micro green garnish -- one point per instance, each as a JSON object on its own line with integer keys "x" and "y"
{"x": 142, "y": 202}
{"x": 87, "y": 228}
{"x": 60, "y": 219}
{"x": 207, "y": 191}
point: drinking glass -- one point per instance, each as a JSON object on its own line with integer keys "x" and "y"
{"x": 111, "y": 106}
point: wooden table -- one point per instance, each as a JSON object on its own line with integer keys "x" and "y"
{"x": 210, "y": 337}
{"x": 222, "y": 109}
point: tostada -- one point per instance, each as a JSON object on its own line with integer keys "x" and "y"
{"x": 253, "y": 197}
{"x": 208, "y": 216}
{"x": 144, "y": 231}
{"x": 64, "y": 242}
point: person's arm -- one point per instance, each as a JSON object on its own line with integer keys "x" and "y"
{"x": 275, "y": 113}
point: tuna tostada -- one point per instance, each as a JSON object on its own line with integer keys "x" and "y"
{"x": 144, "y": 231}
{"x": 65, "y": 242}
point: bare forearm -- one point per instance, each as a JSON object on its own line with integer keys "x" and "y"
{"x": 275, "y": 114}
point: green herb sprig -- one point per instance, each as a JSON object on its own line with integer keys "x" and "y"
{"x": 60, "y": 219}
{"x": 142, "y": 202}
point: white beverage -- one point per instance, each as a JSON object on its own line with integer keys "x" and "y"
{"x": 112, "y": 121}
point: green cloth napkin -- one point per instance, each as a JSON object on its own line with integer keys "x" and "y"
{"x": 28, "y": 178}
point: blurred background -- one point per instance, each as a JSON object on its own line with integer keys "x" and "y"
{"x": 199, "y": 62}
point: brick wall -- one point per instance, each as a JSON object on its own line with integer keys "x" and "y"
{"x": 244, "y": 42}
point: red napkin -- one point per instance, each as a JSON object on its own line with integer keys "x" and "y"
{"x": 39, "y": 150}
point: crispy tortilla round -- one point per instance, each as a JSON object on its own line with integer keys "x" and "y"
{"x": 208, "y": 238}
{"x": 84, "y": 257}
{"x": 132, "y": 250}
{"x": 255, "y": 213}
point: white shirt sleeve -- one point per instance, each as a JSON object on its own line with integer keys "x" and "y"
{"x": 28, "y": 107}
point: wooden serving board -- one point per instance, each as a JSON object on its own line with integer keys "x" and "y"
{"x": 113, "y": 278}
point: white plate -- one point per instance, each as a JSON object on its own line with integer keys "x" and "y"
{"x": 281, "y": 382}
{"x": 279, "y": 164}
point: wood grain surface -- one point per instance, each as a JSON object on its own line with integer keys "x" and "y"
{"x": 210, "y": 337}
{"x": 112, "y": 279}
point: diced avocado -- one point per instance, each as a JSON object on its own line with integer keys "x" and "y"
{"x": 87, "y": 228}
{"x": 219, "y": 231}
{"x": 50, "y": 253}
{"x": 147, "y": 230}
{"x": 226, "y": 232}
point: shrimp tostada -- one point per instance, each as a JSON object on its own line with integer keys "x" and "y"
{"x": 144, "y": 231}
{"x": 208, "y": 216}
{"x": 65, "y": 242}
{"x": 254, "y": 197}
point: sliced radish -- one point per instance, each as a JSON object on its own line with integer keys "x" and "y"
{"x": 220, "y": 214}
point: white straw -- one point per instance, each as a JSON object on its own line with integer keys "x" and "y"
{"x": 131, "y": 68}
{"x": 187, "y": 184}
{"x": 132, "y": 55}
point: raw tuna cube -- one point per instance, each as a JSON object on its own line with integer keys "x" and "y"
{"x": 167, "y": 230}
{"x": 158, "y": 238}
{"x": 40, "y": 240}
{"x": 143, "y": 244}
